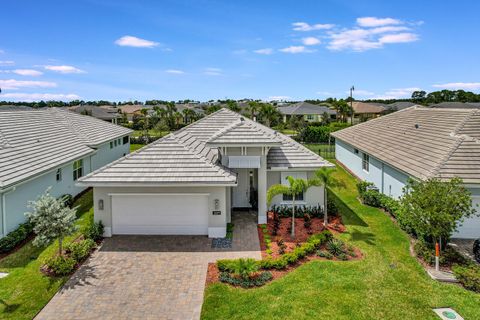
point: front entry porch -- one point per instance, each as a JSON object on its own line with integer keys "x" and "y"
{"x": 250, "y": 192}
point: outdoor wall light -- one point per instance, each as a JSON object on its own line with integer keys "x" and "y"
{"x": 216, "y": 204}
{"x": 100, "y": 204}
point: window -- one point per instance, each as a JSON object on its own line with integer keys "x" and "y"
{"x": 298, "y": 197}
{"x": 366, "y": 162}
{"x": 125, "y": 140}
{"x": 77, "y": 169}
{"x": 119, "y": 141}
{"x": 310, "y": 117}
{"x": 355, "y": 151}
{"x": 59, "y": 174}
{"x": 115, "y": 143}
{"x": 111, "y": 144}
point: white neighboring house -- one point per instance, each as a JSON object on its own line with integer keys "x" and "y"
{"x": 418, "y": 143}
{"x": 188, "y": 181}
{"x": 50, "y": 148}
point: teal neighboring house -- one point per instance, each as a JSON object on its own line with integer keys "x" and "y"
{"x": 50, "y": 148}
{"x": 418, "y": 143}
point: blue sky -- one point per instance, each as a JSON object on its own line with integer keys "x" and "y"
{"x": 122, "y": 50}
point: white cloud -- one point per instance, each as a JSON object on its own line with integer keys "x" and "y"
{"x": 6, "y": 62}
{"x": 295, "y": 49}
{"x": 278, "y": 98}
{"x": 212, "y": 71}
{"x": 398, "y": 38}
{"x": 325, "y": 93}
{"x": 361, "y": 92}
{"x": 458, "y": 85}
{"x": 376, "y": 22}
{"x": 264, "y": 51}
{"x": 12, "y": 84}
{"x": 27, "y": 72}
{"x": 174, "y": 71}
{"x": 27, "y": 97}
{"x": 64, "y": 69}
{"x": 131, "y": 41}
{"x": 311, "y": 41}
{"x": 398, "y": 93}
{"x": 303, "y": 26}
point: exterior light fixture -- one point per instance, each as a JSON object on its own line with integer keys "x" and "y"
{"x": 100, "y": 204}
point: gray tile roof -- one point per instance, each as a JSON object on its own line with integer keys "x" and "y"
{"x": 186, "y": 157}
{"x": 399, "y": 105}
{"x": 32, "y": 142}
{"x": 243, "y": 132}
{"x": 302, "y": 108}
{"x": 367, "y": 107}
{"x": 455, "y": 105}
{"x": 98, "y": 112}
{"x": 423, "y": 142}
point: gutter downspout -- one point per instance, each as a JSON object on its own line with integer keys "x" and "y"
{"x": 3, "y": 207}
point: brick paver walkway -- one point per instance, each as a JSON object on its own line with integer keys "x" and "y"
{"x": 148, "y": 277}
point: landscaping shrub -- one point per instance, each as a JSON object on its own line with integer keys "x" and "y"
{"x": 270, "y": 263}
{"x": 300, "y": 211}
{"x": 291, "y": 257}
{"x": 476, "y": 250}
{"x": 320, "y": 134}
{"x": 61, "y": 265}
{"x": 331, "y": 207}
{"x": 226, "y": 265}
{"x": 245, "y": 268}
{"x": 362, "y": 187}
{"x": 372, "y": 198}
{"x": 67, "y": 200}
{"x": 320, "y": 238}
{"x": 257, "y": 281}
{"x": 336, "y": 247}
{"x": 342, "y": 256}
{"x": 324, "y": 254}
{"x": 93, "y": 230}
{"x": 468, "y": 276}
{"x": 12, "y": 239}
{"x": 81, "y": 249}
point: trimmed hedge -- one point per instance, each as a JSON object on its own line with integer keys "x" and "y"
{"x": 61, "y": 265}
{"x": 15, "y": 237}
{"x": 258, "y": 281}
{"x": 320, "y": 134}
{"x": 468, "y": 276}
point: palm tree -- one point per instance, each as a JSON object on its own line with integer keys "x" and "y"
{"x": 324, "y": 177}
{"x": 189, "y": 115}
{"x": 296, "y": 187}
{"x": 144, "y": 112}
{"x": 268, "y": 113}
{"x": 253, "y": 107}
{"x": 232, "y": 105}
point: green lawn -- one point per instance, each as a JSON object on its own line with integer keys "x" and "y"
{"x": 151, "y": 132}
{"x": 25, "y": 291}
{"x": 387, "y": 284}
{"x": 135, "y": 147}
{"x": 323, "y": 149}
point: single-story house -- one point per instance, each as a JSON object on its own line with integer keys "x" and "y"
{"x": 456, "y": 105}
{"x": 418, "y": 143}
{"x": 50, "y": 148}
{"x": 399, "y": 105}
{"x": 105, "y": 113}
{"x": 189, "y": 181}
{"x": 363, "y": 111}
{"x": 134, "y": 109}
{"x": 310, "y": 112}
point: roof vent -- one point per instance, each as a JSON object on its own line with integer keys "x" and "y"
{"x": 242, "y": 119}
{"x": 417, "y": 126}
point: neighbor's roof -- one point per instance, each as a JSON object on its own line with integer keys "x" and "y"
{"x": 399, "y": 105}
{"x": 244, "y": 133}
{"x": 364, "y": 107}
{"x": 33, "y": 142}
{"x": 14, "y": 108}
{"x": 186, "y": 156}
{"x": 423, "y": 142}
{"x": 96, "y": 111}
{"x": 302, "y": 108}
{"x": 456, "y": 105}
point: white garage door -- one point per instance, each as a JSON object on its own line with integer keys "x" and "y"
{"x": 470, "y": 228}
{"x": 160, "y": 214}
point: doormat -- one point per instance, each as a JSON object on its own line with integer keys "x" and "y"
{"x": 221, "y": 243}
{"x": 447, "y": 314}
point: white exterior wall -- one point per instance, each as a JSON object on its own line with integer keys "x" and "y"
{"x": 16, "y": 201}
{"x": 105, "y": 155}
{"x": 470, "y": 228}
{"x": 313, "y": 196}
{"x": 216, "y": 223}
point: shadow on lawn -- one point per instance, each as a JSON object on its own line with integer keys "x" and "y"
{"x": 9, "y": 308}
{"x": 349, "y": 217}
{"x": 366, "y": 237}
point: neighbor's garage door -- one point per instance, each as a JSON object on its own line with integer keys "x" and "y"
{"x": 160, "y": 214}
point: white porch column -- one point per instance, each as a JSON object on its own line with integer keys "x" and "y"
{"x": 262, "y": 190}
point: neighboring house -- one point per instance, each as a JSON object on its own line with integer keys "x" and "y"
{"x": 188, "y": 181}
{"x": 456, "y": 105}
{"x": 363, "y": 111}
{"x": 310, "y": 112}
{"x": 14, "y": 108}
{"x": 50, "y": 148}
{"x": 105, "y": 113}
{"x": 399, "y": 105}
{"x": 131, "y": 110}
{"x": 417, "y": 143}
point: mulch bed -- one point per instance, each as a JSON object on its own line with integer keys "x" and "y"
{"x": 301, "y": 235}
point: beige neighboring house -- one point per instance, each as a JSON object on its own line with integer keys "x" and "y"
{"x": 131, "y": 110}
{"x": 188, "y": 182}
{"x": 363, "y": 111}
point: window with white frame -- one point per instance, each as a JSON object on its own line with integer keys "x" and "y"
{"x": 111, "y": 144}
{"x": 310, "y": 117}
{"x": 77, "y": 169}
{"x": 366, "y": 162}
{"x": 296, "y": 175}
{"x": 58, "y": 175}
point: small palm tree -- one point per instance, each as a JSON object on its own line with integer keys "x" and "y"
{"x": 144, "y": 112}
{"x": 268, "y": 114}
{"x": 232, "y": 105}
{"x": 189, "y": 115}
{"x": 324, "y": 177}
{"x": 253, "y": 107}
{"x": 296, "y": 187}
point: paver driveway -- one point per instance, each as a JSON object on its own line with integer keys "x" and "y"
{"x": 148, "y": 277}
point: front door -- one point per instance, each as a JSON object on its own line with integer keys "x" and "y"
{"x": 241, "y": 193}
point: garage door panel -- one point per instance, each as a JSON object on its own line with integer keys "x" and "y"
{"x": 160, "y": 214}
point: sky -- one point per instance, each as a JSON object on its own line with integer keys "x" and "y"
{"x": 270, "y": 50}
